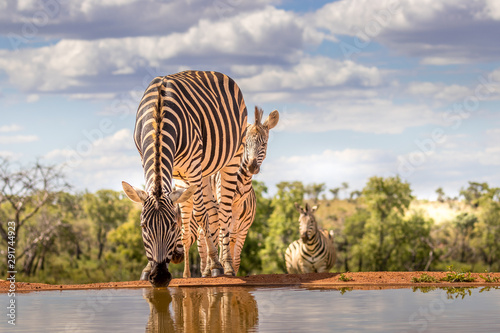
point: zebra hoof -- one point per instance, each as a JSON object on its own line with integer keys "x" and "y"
{"x": 145, "y": 276}
{"x": 216, "y": 272}
{"x": 230, "y": 274}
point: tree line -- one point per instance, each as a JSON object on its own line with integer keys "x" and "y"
{"x": 68, "y": 237}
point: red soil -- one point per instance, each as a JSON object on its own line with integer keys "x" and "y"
{"x": 361, "y": 280}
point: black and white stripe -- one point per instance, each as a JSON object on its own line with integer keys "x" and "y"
{"x": 244, "y": 202}
{"x": 315, "y": 251}
{"x": 189, "y": 125}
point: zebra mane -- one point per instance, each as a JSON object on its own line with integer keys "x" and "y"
{"x": 157, "y": 115}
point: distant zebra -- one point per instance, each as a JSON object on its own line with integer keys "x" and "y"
{"x": 314, "y": 252}
{"x": 189, "y": 125}
{"x": 244, "y": 204}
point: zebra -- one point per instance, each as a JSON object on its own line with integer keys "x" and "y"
{"x": 314, "y": 252}
{"x": 244, "y": 202}
{"x": 189, "y": 125}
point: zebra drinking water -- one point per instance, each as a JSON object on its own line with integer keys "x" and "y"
{"x": 189, "y": 125}
{"x": 314, "y": 252}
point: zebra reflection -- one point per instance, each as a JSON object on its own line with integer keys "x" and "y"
{"x": 209, "y": 309}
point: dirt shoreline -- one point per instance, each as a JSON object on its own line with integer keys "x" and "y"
{"x": 360, "y": 280}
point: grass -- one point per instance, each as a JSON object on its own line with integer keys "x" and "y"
{"x": 453, "y": 276}
{"x": 424, "y": 278}
{"x": 488, "y": 278}
{"x": 345, "y": 278}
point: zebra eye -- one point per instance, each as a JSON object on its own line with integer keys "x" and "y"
{"x": 143, "y": 225}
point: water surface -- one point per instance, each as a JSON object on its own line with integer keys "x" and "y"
{"x": 238, "y": 309}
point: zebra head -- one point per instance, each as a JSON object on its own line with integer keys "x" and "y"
{"x": 307, "y": 223}
{"x": 256, "y": 141}
{"x": 160, "y": 224}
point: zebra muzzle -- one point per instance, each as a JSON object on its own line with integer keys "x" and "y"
{"x": 254, "y": 167}
{"x": 159, "y": 276}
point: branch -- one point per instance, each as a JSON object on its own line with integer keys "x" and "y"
{"x": 37, "y": 240}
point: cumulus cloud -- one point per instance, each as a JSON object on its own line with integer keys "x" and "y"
{"x": 13, "y": 139}
{"x": 269, "y": 35}
{"x": 380, "y": 116}
{"x": 10, "y": 128}
{"x": 90, "y": 19}
{"x": 439, "y": 32}
{"x": 313, "y": 73}
{"x": 332, "y": 167}
{"x": 439, "y": 91}
{"x": 101, "y": 163}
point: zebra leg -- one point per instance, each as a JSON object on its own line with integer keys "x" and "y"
{"x": 186, "y": 214}
{"x": 238, "y": 247}
{"x": 228, "y": 187}
{"x": 145, "y": 272}
{"x": 201, "y": 216}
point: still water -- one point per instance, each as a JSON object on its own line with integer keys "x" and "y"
{"x": 235, "y": 309}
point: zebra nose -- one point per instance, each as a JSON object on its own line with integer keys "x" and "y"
{"x": 254, "y": 168}
{"x": 159, "y": 276}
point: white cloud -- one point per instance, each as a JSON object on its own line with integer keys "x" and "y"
{"x": 441, "y": 32}
{"x": 313, "y": 73}
{"x": 101, "y": 163}
{"x": 332, "y": 167}
{"x": 371, "y": 116}
{"x": 439, "y": 91}
{"x": 32, "y": 98}
{"x": 83, "y": 66}
{"x": 10, "y": 128}
{"x": 17, "y": 139}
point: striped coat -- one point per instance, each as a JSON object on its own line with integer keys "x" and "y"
{"x": 244, "y": 202}
{"x": 314, "y": 252}
{"x": 189, "y": 126}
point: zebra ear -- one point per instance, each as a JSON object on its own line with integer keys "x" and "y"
{"x": 272, "y": 119}
{"x": 182, "y": 194}
{"x": 258, "y": 115}
{"x": 134, "y": 194}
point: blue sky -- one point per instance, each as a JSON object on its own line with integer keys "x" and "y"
{"x": 363, "y": 87}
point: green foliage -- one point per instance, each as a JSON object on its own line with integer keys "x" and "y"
{"x": 453, "y": 276}
{"x": 424, "y": 278}
{"x": 283, "y": 226}
{"x": 488, "y": 278}
{"x": 345, "y": 278}
{"x": 251, "y": 261}
{"x": 386, "y": 200}
{"x": 106, "y": 209}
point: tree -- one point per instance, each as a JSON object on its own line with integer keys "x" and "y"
{"x": 106, "y": 209}
{"x": 350, "y": 238}
{"x": 387, "y": 200}
{"x": 335, "y": 192}
{"x": 441, "y": 195}
{"x": 251, "y": 262}
{"x": 464, "y": 224}
{"x": 23, "y": 193}
{"x": 313, "y": 191}
{"x": 283, "y": 226}
{"x": 474, "y": 192}
{"x": 345, "y": 186}
{"x": 487, "y": 230}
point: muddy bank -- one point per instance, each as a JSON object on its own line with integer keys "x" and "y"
{"x": 361, "y": 280}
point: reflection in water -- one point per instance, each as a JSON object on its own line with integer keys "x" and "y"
{"x": 211, "y": 309}
{"x": 453, "y": 292}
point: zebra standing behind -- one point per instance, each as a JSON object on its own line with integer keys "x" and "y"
{"x": 314, "y": 252}
{"x": 189, "y": 126}
{"x": 244, "y": 202}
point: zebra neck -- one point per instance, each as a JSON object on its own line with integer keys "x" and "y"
{"x": 313, "y": 240}
{"x": 244, "y": 176}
